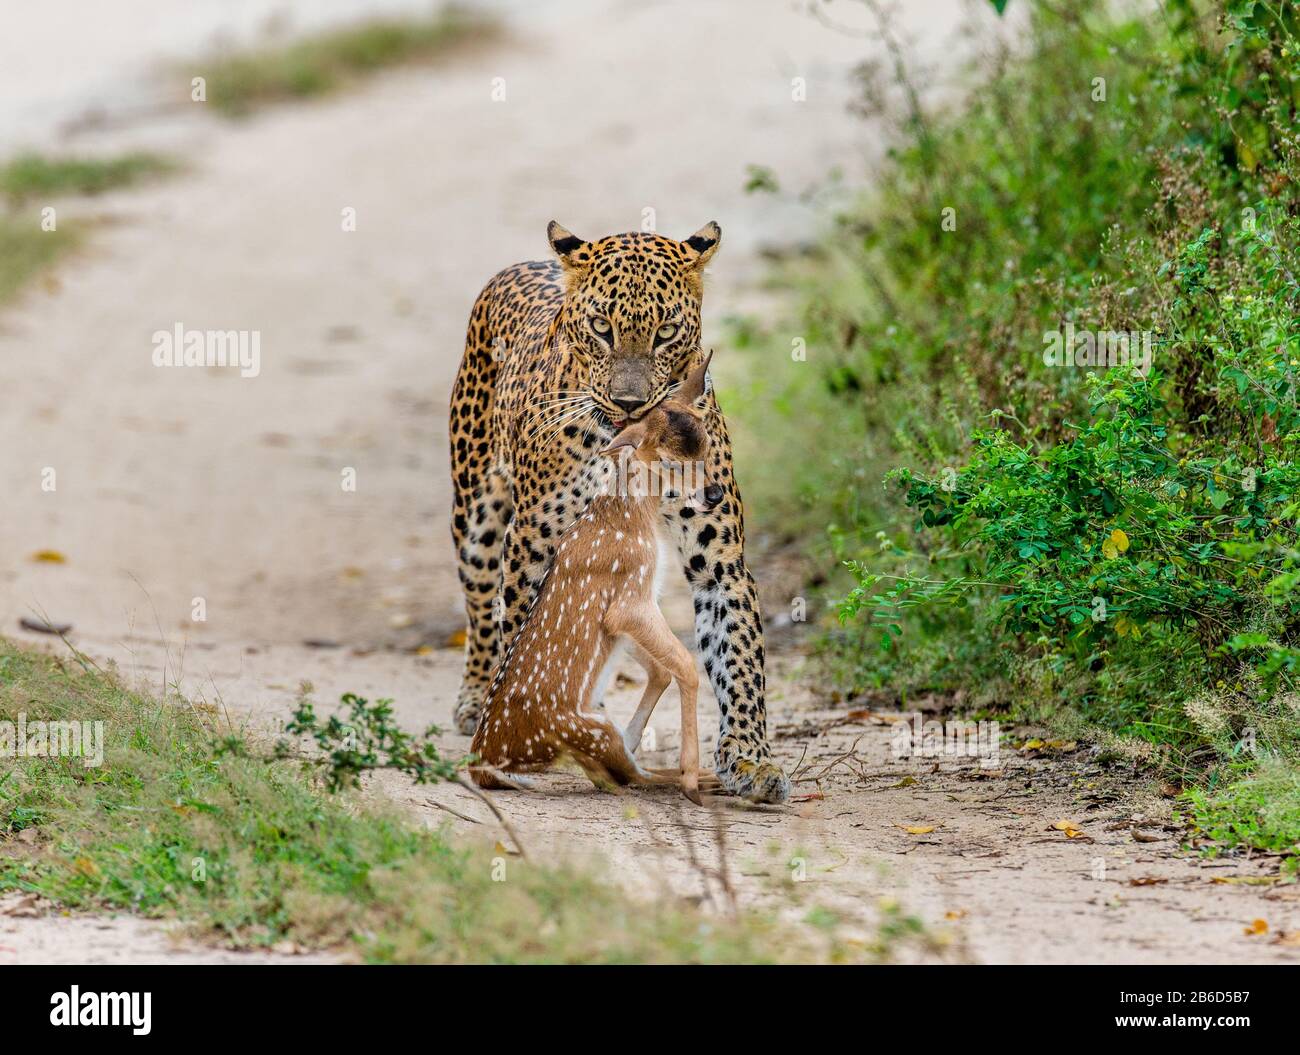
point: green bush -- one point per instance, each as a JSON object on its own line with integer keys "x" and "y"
{"x": 1118, "y": 517}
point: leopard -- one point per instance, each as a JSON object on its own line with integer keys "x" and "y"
{"x": 561, "y": 355}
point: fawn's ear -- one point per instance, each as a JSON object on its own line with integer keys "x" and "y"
{"x": 572, "y": 250}
{"x": 703, "y": 244}
{"x": 693, "y": 387}
{"x": 632, "y": 436}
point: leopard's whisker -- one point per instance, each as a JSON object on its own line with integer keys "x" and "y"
{"x": 550, "y": 421}
{"x": 559, "y": 402}
{"x": 550, "y": 413}
{"x": 592, "y": 423}
{"x": 547, "y": 420}
{"x": 562, "y": 423}
{"x": 575, "y": 397}
{"x": 565, "y": 420}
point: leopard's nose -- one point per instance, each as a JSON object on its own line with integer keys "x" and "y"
{"x": 712, "y": 495}
{"x": 628, "y": 405}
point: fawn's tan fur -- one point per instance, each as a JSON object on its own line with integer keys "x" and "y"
{"x": 601, "y": 587}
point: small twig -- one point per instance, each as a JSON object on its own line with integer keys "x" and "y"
{"x": 469, "y": 786}
{"x": 850, "y": 753}
{"x": 454, "y": 813}
{"x": 691, "y": 856}
{"x": 724, "y": 873}
{"x": 661, "y": 848}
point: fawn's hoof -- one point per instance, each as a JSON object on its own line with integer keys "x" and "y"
{"x": 756, "y": 781}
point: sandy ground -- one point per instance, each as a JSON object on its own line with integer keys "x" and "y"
{"x": 177, "y": 485}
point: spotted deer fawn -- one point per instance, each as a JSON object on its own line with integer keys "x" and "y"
{"x": 601, "y": 592}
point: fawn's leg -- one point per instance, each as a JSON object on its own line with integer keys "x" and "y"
{"x": 658, "y": 678}
{"x": 501, "y": 780}
{"x": 599, "y": 749}
{"x": 609, "y": 764}
{"x": 646, "y": 626}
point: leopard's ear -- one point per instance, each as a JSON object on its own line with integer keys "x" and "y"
{"x": 703, "y": 244}
{"x": 572, "y": 250}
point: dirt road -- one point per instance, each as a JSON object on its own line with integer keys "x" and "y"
{"x": 181, "y": 486}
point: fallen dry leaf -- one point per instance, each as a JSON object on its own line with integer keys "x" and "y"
{"x": 1258, "y": 926}
{"x": 49, "y": 556}
{"x": 957, "y": 913}
{"x": 1145, "y": 837}
{"x": 40, "y": 626}
{"x": 456, "y": 639}
{"x": 920, "y": 829}
{"x": 906, "y": 782}
{"x": 1072, "y": 830}
{"x": 1147, "y": 881}
{"x": 1245, "y": 880}
{"x": 21, "y": 906}
{"x": 874, "y": 716}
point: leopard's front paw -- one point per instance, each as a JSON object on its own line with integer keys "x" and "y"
{"x": 756, "y": 781}
{"x": 465, "y": 717}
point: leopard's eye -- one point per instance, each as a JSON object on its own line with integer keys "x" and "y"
{"x": 666, "y": 331}
{"x": 601, "y": 326}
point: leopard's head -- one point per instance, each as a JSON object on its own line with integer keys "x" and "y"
{"x": 632, "y": 312}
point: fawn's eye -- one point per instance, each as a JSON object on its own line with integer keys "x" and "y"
{"x": 601, "y": 326}
{"x": 666, "y": 331}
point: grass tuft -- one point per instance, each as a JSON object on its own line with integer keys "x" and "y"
{"x": 325, "y": 62}
{"x": 1262, "y": 811}
{"x": 33, "y": 176}
{"x": 26, "y": 251}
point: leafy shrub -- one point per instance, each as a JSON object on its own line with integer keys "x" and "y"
{"x": 1124, "y": 529}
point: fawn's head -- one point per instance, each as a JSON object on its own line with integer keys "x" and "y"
{"x": 666, "y": 451}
